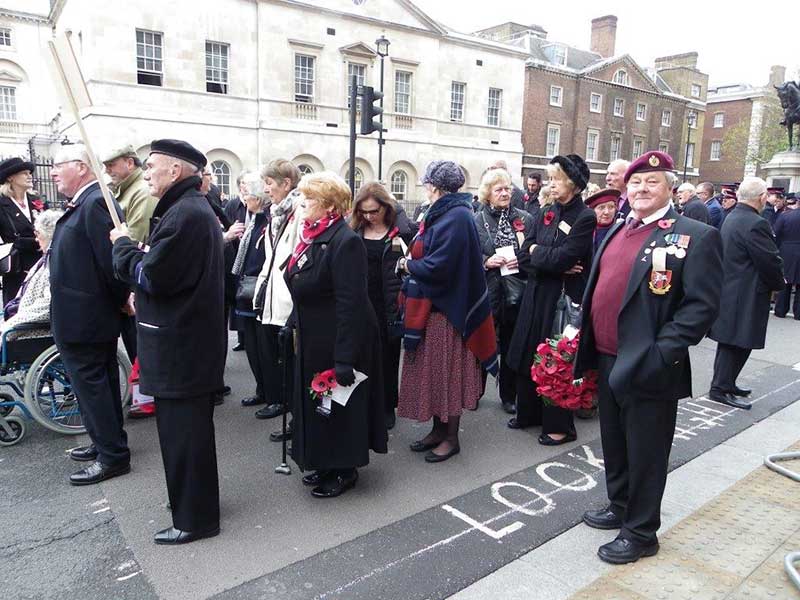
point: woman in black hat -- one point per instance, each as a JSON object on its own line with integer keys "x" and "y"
{"x": 556, "y": 256}
{"x": 18, "y": 209}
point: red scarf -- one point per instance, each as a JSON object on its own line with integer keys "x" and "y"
{"x": 310, "y": 232}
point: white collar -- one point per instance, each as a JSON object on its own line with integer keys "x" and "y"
{"x": 656, "y": 216}
{"x": 83, "y": 189}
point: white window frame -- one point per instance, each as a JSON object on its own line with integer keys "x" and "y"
{"x": 663, "y": 147}
{"x": 719, "y": 120}
{"x": 305, "y": 169}
{"x": 666, "y": 118}
{"x": 559, "y": 93}
{"x": 690, "y": 155}
{"x": 222, "y": 171}
{"x": 5, "y": 37}
{"x": 217, "y": 61}
{"x": 8, "y": 103}
{"x": 621, "y": 103}
{"x": 458, "y": 100}
{"x": 359, "y": 179}
{"x": 716, "y": 150}
{"x": 556, "y": 143}
{"x": 620, "y": 77}
{"x": 638, "y": 148}
{"x": 592, "y": 149}
{"x": 641, "y": 111}
{"x": 599, "y": 107}
{"x": 560, "y": 55}
{"x": 303, "y": 83}
{"x": 402, "y": 92}
{"x": 495, "y": 107}
{"x": 695, "y": 87}
{"x": 360, "y": 71}
{"x": 398, "y": 183}
{"x": 615, "y": 148}
{"x": 150, "y": 53}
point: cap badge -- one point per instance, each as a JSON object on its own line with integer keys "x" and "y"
{"x": 654, "y": 162}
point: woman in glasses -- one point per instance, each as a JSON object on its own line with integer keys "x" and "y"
{"x": 386, "y": 232}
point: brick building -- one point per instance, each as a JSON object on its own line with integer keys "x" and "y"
{"x": 595, "y": 103}
{"x": 729, "y": 107}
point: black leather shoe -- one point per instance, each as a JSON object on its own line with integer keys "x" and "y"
{"x": 622, "y": 551}
{"x": 219, "y": 399}
{"x": 172, "y": 537}
{"x": 279, "y": 436}
{"x": 391, "y": 420}
{"x": 432, "y": 457}
{"x": 315, "y": 478}
{"x": 269, "y": 411}
{"x": 84, "y": 453}
{"x": 335, "y": 485}
{"x": 728, "y": 399}
{"x": 513, "y": 423}
{"x": 420, "y": 446}
{"x": 546, "y": 440}
{"x": 253, "y": 401}
{"x": 226, "y": 390}
{"x": 603, "y": 518}
{"x": 509, "y": 407}
{"x": 97, "y": 472}
{"x": 741, "y": 392}
{"x": 238, "y": 347}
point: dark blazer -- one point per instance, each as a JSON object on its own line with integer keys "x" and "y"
{"x": 714, "y": 212}
{"x": 15, "y": 227}
{"x": 86, "y": 296}
{"x": 787, "y": 236}
{"x": 655, "y": 331}
{"x": 696, "y": 209}
{"x": 179, "y": 289}
{"x": 752, "y": 270}
{"x": 335, "y": 323}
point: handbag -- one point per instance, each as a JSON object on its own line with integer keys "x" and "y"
{"x": 245, "y": 290}
{"x": 513, "y": 289}
{"x": 9, "y": 260}
{"x": 568, "y": 313}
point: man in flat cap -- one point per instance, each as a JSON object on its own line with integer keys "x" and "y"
{"x": 86, "y": 314}
{"x": 653, "y": 291}
{"x": 178, "y": 280}
{"x": 752, "y": 270}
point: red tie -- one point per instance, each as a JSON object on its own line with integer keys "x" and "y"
{"x": 634, "y": 223}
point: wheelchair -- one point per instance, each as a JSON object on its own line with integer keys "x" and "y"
{"x": 32, "y": 369}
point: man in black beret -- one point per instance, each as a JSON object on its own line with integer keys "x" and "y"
{"x": 179, "y": 295}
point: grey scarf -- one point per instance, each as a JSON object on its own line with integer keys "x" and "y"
{"x": 280, "y": 212}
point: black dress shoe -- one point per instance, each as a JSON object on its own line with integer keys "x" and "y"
{"x": 84, "y": 453}
{"x": 315, "y": 478}
{"x": 432, "y": 457}
{"x": 226, "y": 390}
{"x": 238, "y": 347}
{"x": 253, "y": 401}
{"x": 336, "y": 484}
{"x": 97, "y": 472}
{"x": 219, "y": 399}
{"x": 603, "y": 518}
{"x": 622, "y": 551}
{"x": 729, "y": 399}
{"x": 513, "y": 423}
{"x": 172, "y": 537}
{"x": 391, "y": 420}
{"x": 741, "y": 392}
{"x": 270, "y": 411}
{"x": 279, "y": 436}
{"x": 421, "y": 446}
{"x": 546, "y": 440}
{"x": 510, "y": 407}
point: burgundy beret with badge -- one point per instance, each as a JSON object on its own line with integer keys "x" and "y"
{"x": 649, "y": 162}
{"x": 603, "y": 196}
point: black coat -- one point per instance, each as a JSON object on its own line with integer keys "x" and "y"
{"x": 556, "y": 253}
{"x": 15, "y": 227}
{"x": 486, "y": 223}
{"x": 86, "y": 297}
{"x": 179, "y": 289}
{"x": 752, "y": 269}
{"x": 696, "y": 209}
{"x": 335, "y": 323}
{"x": 655, "y": 331}
{"x": 787, "y": 236}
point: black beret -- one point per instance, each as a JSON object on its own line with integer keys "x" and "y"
{"x": 14, "y": 165}
{"x": 179, "y": 149}
{"x": 575, "y": 168}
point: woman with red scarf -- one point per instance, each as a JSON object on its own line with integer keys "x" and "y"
{"x": 336, "y": 329}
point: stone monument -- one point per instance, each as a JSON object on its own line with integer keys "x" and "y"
{"x": 784, "y": 168}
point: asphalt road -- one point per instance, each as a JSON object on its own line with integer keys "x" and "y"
{"x": 388, "y": 538}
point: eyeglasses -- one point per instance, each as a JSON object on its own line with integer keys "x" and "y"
{"x": 364, "y": 213}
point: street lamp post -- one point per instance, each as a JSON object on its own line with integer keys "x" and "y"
{"x": 688, "y": 140}
{"x": 382, "y": 45}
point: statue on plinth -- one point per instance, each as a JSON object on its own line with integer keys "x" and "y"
{"x": 789, "y": 94}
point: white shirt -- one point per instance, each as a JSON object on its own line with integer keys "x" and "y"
{"x": 656, "y": 216}
{"x": 83, "y": 189}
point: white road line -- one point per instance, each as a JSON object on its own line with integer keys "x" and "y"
{"x": 126, "y": 565}
{"x": 99, "y": 503}
{"x": 126, "y": 577}
{"x": 102, "y": 510}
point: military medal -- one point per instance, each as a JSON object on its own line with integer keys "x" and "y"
{"x": 683, "y": 244}
{"x": 660, "y": 277}
{"x": 671, "y": 250}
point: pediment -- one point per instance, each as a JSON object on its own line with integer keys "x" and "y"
{"x": 6, "y": 75}
{"x": 637, "y": 77}
{"x": 359, "y": 49}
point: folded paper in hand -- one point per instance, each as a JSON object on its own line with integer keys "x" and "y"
{"x": 507, "y": 252}
{"x": 341, "y": 394}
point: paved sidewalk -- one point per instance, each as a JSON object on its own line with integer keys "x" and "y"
{"x": 727, "y": 524}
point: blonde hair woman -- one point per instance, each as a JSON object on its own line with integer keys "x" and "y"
{"x": 337, "y": 336}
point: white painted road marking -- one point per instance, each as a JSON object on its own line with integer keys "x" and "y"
{"x": 126, "y": 577}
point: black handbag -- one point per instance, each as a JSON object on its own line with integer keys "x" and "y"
{"x": 513, "y": 289}
{"x": 567, "y": 313}
{"x": 10, "y": 262}
{"x": 245, "y": 290}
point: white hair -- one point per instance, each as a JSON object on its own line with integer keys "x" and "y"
{"x": 751, "y": 189}
{"x": 686, "y": 187}
{"x": 620, "y": 162}
{"x": 70, "y": 152}
{"x": 45, "y": 223}
{"x": 254, "y": 186}
{"x": 672, "y": 179}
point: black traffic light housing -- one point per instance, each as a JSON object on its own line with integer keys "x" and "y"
{"x": 369, "y": 110}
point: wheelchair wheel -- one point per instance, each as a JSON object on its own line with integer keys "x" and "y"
{"x": 11, "y": 431}
{"x": 6, "y": 410}
{"x": 49, "y": 395}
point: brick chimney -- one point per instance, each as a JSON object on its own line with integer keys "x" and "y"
{"x": 777, "y": 75}
{"x": 604, "y": 35}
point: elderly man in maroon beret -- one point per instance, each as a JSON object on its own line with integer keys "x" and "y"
{"x": 653, "y": 291}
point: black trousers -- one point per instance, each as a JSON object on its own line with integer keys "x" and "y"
{"x": 11, "y": 284}
{"x": 507, "y": 377}
{"x": 189, "y": 451}
{"x": 636, "y": 434}
{"x": 390, "y": 353}
{"x": 128, "y": 333}
{"x": 728, "y": 363}
{"x": 782, "y": 301}
{"x": 259, "y": 356}
{"x": 94, "y": 375}
{"x": 271, "y": 367}
{"x": 531, "y": 410}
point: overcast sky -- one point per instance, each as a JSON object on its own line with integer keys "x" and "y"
{"x": 737, "y": 42}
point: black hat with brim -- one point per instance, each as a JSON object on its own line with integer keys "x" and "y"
{"x": 14, "y": 165}
{"x": 179, "y": 149}
{"x": 575, "y": 168}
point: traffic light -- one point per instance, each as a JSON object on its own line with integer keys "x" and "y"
{"x": 369, "y": 110}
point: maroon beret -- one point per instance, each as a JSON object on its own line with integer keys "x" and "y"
{"x": 649, "y": 162}
{"x": 603, "y": 196}
{"x": 776, "y": 191}
{"x": 729, "y": 193}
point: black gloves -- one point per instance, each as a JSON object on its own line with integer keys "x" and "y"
{"x": 344, "y": 374}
